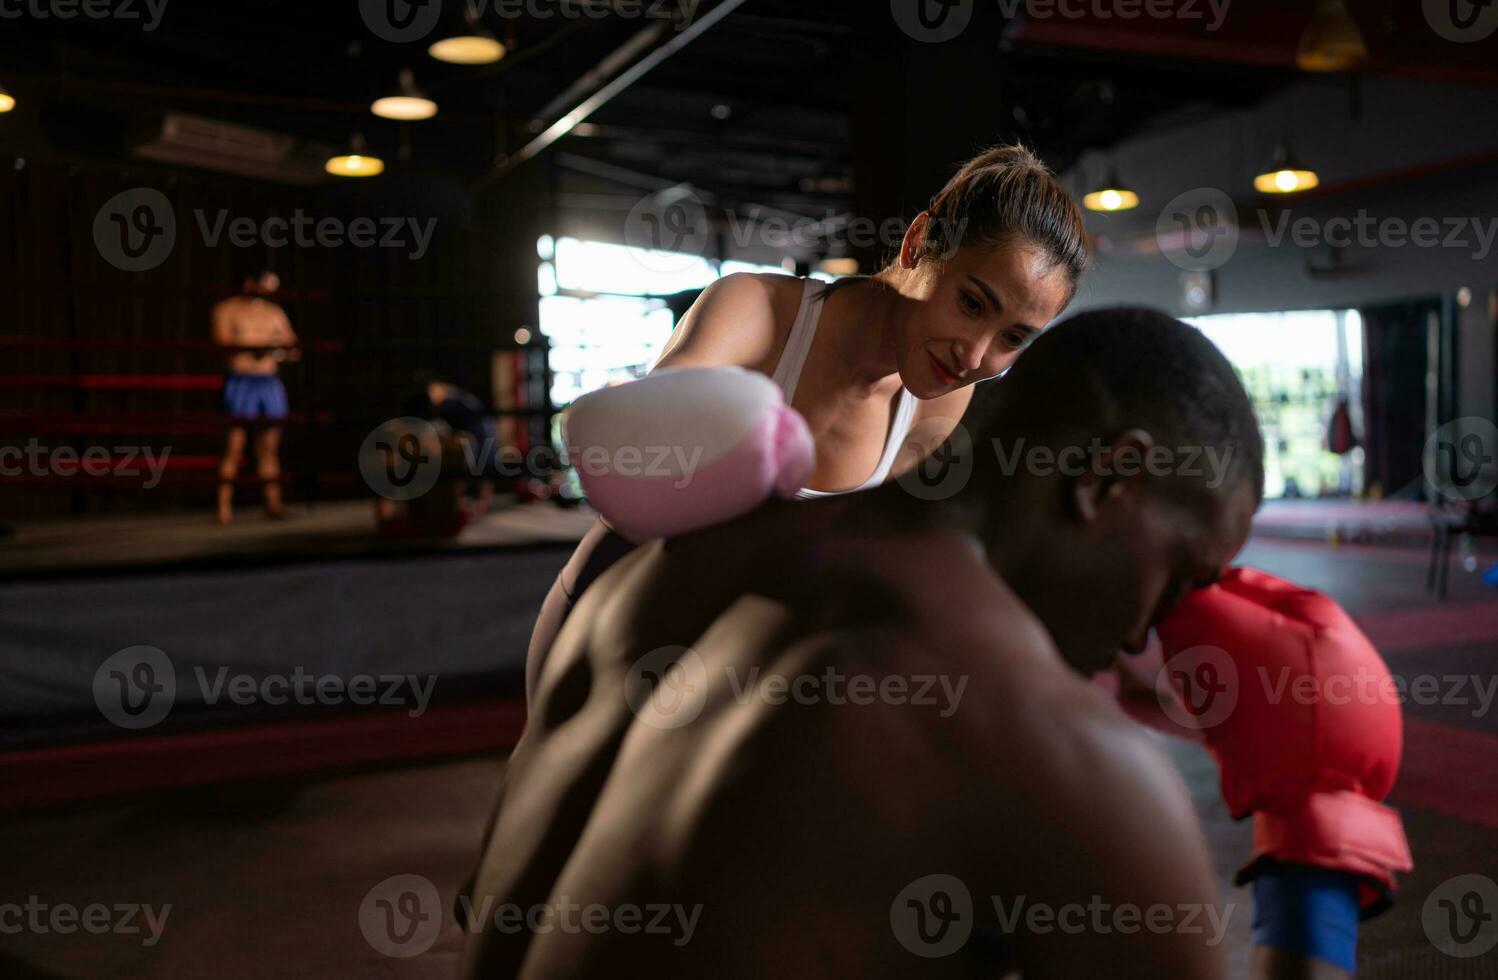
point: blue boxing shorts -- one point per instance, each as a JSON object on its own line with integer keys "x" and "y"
{"x": 255, "y": 397}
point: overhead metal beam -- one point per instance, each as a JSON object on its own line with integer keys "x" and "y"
{"x": 604, "y": 92}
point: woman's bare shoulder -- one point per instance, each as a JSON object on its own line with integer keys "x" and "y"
{"x": 741, "y": 320}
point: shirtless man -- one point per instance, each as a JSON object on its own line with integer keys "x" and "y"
{"x": 797, "y": 833}
{"x": 259, "y": 337}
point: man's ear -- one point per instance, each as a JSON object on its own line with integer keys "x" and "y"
{"x": 1108, "y": 474}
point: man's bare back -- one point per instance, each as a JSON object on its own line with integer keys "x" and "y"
{"x": 842, "y": 717}
{"x": 252, "y": 322}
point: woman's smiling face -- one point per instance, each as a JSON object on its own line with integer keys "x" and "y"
{"x": 970, "y": 316}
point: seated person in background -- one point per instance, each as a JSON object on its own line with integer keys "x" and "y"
{"x": 465, "y": 416}
{"x": 854, "y": 736}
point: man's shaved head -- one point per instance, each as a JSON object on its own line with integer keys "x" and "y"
{"x": 1118, "y": 466}
{"x": 1101, "y": 373}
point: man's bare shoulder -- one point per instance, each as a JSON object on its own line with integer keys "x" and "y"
{"x": 1029, "y": 784}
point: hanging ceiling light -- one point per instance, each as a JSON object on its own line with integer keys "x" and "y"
{"x": 475, "y": 46}
{"x": 1333, "y": 41}
{"x": 1110, "y": 196}
{"x": 409, "y": 103}
{"x": 358, "y": 163}
{"x": 1286, "y": 174}
{"x": 7, "y": 101}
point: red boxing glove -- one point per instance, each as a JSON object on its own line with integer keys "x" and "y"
{"x": 1299, "y": 711}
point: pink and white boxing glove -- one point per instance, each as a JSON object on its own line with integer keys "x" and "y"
{"x": 686, "y": 448}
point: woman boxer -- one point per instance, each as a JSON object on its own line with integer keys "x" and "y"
{"x": 880, "y": 367}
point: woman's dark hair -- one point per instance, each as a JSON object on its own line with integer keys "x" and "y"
{"x": 1007, "y": 196}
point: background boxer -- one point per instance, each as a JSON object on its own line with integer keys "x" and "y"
{"x": 794, "y": 826}
{"x": 262, "y": 338}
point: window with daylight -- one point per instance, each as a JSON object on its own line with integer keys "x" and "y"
{"x": 1298, "y": 368}
{"x": 604, "y": 311}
